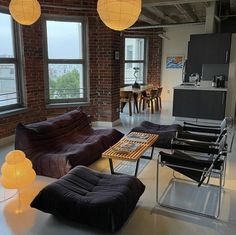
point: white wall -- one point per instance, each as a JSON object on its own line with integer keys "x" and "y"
{"x": 231, "y": 96}
{"x": 177, "y": 45}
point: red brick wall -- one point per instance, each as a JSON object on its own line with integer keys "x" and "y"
{"x": 104, "y": 71}
{"x": 154, "y": 53}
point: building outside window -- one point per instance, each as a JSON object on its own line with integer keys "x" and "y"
{"x": 66, "y": 61}
{"x": 10, "y": 79}
{"x": 135, "y": 58}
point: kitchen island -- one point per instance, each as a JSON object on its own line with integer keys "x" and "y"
{"x": 200, "y": 102}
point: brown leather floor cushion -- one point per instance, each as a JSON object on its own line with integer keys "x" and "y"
{"x": 165, "y": 132}
{"x": 57, "y": 145}
{"x": 91, "y": 198}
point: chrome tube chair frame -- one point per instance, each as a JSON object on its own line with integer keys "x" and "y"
{"x": 226, "y": 123}
{"x": 206, "y": 173}
{"x": 209, "y": 148}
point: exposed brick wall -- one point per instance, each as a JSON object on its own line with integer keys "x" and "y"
{"x": 116, "y": 77}
{"x": 104, "y": 71}
{"x": 154, "y": 53}
{"x": 107, "y": 72}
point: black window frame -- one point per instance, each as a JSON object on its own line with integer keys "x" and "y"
{"x": 17, "y": 61}
{"x": 83, "y": 61}
{"x": 144, "y": 61}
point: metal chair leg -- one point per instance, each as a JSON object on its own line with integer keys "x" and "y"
{"x": 159, "y": 203}
{"x": 157, "y": 181}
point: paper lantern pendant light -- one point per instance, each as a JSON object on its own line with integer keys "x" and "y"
{"x": 119, "y": 14}
{"x": 25, "y": 12}
{"x": 17, "y": 171}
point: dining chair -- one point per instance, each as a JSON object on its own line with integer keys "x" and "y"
{"x": 126, "y": 97}
{"x": 159, "y": 104}
{"x": 149, "y": 99}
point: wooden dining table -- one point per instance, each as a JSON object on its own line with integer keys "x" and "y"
{"x": 136, "y": 92}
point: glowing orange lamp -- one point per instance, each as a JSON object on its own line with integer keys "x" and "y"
{"x": 17, "y": 171}
{"x": 25, "y": 12}
{"x": 119, "y": 14}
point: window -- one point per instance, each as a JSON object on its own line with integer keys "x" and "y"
{"x": 10, "y": 95}
{"x": 66, "y": 74}
{"x": 134, "y": 60}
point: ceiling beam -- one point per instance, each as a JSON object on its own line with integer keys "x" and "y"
{"x": 233, "y": 6}
{"x": 148, "y": 17}
{"x": 205, "y": 4}
{"x": 164, "y": 26}
{"x": 190, "y": 9}
{"x": 161, "y": 15}
{"x": 187, "y": 12}
{"x": 153, "y": 3}
{"x": 210, "y": 26}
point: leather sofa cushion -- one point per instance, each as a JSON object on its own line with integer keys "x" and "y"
{"x": 165, "y": 132}
{"x": 91, "y": 198}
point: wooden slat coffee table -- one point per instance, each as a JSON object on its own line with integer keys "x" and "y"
{"x": 121, "y": 150}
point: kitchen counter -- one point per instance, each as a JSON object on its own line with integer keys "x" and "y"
{"x": 206, "y": 88}
{"x": 200, "y": 102}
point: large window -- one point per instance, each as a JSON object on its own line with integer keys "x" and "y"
{"x": 10, "y": 95}
{"x": 134, "y": 60}
{"x": 66, "y": 73}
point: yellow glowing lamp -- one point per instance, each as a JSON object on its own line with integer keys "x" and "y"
{"x": 119, "y": 14}
{"x": 17, "y": 171}
{"x": 25, "y": 12}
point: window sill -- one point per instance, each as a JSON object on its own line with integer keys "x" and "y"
{"x": 66, "y": 105}
{"x": 12, "y": 112}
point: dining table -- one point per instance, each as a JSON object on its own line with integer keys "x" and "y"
{"x": 136, "y": 92}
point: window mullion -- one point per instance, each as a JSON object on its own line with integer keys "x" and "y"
{"x": 65, "y": 61}
{"x": 8, "y": 60}
{"x": 134, "y": 61}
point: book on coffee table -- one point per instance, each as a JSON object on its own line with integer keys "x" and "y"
{"x": 138, "y": 136}
{"x": 125, "y": 147}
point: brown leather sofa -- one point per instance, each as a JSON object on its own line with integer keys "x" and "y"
{"x": 57, "y": 145}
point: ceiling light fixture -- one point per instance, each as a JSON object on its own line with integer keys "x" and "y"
{"x": 119, "y": 14}
{"x": 25, "y": 12}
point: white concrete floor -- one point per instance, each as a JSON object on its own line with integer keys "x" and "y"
{"x": 147, "y": 218}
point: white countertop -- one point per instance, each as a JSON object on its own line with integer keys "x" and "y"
{"x": 204, "y": 88}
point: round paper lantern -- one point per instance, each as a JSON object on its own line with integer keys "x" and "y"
{"x": 119, "y": 14}
{"x": 17, "y": 171}
{"x": 25, "y": 12}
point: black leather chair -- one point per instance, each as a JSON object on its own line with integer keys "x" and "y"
{"x": 205, "y": 132}
{"x": 190, "y": 131}
{"x": 198, "y": 169}
{"x": 193, "y": 145}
